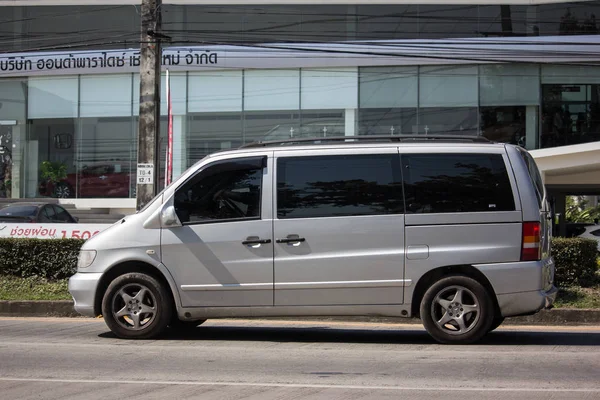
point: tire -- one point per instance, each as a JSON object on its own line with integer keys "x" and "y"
{"x": 182, "y": 326}
{"x": 496, "y": 322}
{"x": 136, "y": 306}
{"x": 457, "y": 310}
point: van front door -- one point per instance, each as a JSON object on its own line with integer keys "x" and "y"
{"x": 223, "y": 253}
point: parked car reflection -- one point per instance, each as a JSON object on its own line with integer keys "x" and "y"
{"x": 36, "y": 212}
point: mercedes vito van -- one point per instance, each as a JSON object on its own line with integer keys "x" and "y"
{"x": 453, "y": 230}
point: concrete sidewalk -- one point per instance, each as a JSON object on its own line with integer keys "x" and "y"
{"x": 557, "y": 316}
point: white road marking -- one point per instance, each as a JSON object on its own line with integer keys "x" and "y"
{"x": 312, "y": 386}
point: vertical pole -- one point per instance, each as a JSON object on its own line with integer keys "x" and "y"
{"x": 168, "y": 96}
{"x": 148, "y": 171}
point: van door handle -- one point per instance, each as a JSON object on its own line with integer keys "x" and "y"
{"x": 292, "y": 239}
{"x": 255, "y": 240}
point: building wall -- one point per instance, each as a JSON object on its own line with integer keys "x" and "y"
{"x": 507, "y": 84}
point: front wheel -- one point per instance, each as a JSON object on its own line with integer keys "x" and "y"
{"x": 136, "y": 306}
{"x": 457, "y": 310}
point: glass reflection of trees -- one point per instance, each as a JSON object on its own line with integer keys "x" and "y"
{"x": 344, "y": 186}
{"x": 468, "y": 183}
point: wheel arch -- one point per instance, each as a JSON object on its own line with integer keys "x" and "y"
{"x": 436, "y": 274}
{"x": 158, "y": 272}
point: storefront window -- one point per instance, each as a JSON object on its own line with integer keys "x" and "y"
{"x": 322, "y": 123}
{"x": 570, "y": 105}
{"x": 448, "y": 121}
{"x": 448, "y": 100}
{"x": 211, "y": 132}
{"x": 106, "y": 158}
{"x": 105, "y": 141}
{"x": 271, "y": 104}
{"x": 12, "y": 136}
{"x": 329, "y": 100}
{"x": 51, "y": 158}
{"x": 388, "y": 100}
{"x": 271, "y": 125}
{"x": 509, "y": 97}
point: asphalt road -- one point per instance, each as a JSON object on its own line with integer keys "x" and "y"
{"x": 53, "y": 358}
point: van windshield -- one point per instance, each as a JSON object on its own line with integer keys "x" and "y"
{"x": 175, "y": 181}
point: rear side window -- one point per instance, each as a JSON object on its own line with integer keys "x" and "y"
{"x": 451, "y": 183}
{"x": 534, "y": 175}
{"x": 333, "y": 186}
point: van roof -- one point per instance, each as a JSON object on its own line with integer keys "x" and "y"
{"x": 375, "y": 141}
{"x": 349, "y": 140}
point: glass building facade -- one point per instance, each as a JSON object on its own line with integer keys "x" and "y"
{"x": 87, "y": 123}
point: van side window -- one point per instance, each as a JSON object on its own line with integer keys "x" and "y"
{"x": 451, "y": 183}
{"x": 226, "y": 191}
{"x": 534, "y": 175}
{"x": 333, "y": 186}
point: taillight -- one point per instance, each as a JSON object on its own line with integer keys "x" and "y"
{"x": 531, "y": 249}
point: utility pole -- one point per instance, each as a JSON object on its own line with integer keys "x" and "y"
{"x": 149, "y": 121}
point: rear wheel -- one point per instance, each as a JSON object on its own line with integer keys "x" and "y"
{"x": 457, "y": 310}
{"x": 136, "y": 306}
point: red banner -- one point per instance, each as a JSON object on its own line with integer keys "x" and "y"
{"x": 169, "y": 162}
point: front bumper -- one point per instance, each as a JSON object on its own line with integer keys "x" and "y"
{"x": 82, "y": 287}
{"x": 523, "y": 303}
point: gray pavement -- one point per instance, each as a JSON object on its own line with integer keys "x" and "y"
{"x": 78, "y": 358}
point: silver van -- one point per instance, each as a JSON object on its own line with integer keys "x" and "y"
{"x": 453, "y": 230}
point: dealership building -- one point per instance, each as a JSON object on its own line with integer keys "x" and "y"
{"x": 525, "y": 72}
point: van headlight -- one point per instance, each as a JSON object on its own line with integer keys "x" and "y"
{"x": 86, "y": 258}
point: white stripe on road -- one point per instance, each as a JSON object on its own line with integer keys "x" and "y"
{"x": 312, "y": 386}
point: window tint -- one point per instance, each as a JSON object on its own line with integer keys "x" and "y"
{"x": 330, "y": 186}
{"x": 596, "y": 233}
{"x": 223, "y": 191}
{"x": 449, "y": 183}
{"x": 62, "y": 215}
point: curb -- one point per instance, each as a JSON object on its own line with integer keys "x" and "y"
{"x": 556, "y": 316}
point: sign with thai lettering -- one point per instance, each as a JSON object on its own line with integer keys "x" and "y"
{"x": 101, "y": 61}
{"x": 51, "y": 231}
{"x": 310, "y": 55}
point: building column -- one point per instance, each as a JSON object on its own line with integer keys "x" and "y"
{"x": 531, "y": 127}
{"x": 179, "y": 146}
{"x": 18, "y": 139}
{"x": 560, "y": 209}
{"x": 350, "y": 122}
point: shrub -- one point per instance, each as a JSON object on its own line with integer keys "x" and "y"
{"x": 576, "y": 261}
{"x": 51, "y": 259}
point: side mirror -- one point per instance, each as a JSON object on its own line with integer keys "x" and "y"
{"x": 168, "y": 217}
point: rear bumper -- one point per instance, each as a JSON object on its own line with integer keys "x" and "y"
{"x": 83, "y": 290}
{"x": 523, "y": 303}
{"x": 522, "y": 287}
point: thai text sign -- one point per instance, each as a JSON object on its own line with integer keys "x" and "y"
{"x": 51, "y": 231}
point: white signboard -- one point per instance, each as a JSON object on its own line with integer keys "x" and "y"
{"x": 145, "y": 174}
{"x": 50, "y": 231}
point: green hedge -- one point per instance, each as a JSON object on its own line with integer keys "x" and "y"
{"x": 57, "y": 259}
{"x": 51, "y": 259}
{"x": 576, "y": 261}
